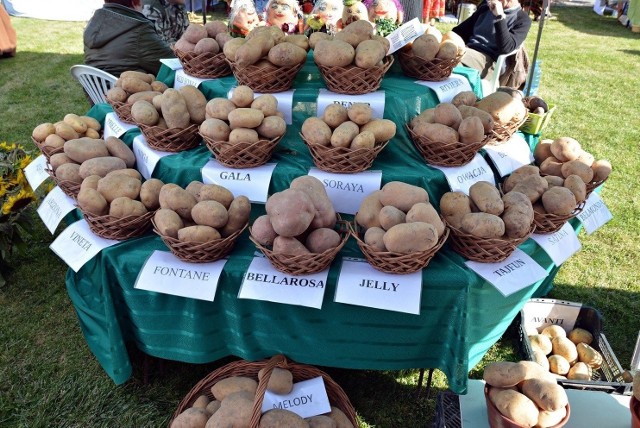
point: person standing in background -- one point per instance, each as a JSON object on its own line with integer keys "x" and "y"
{"x": 168, "y": 16}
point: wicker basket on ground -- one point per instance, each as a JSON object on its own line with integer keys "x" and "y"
{"x": 205, "y": 65}
{"x": 200, "y": 252}
{"x": 551, "y": 223}
{"x": 352, "y": 80}
{"x": 446, "y": 154}
{"x": 70, "y": 188}
{"x": 300, "y": 372}
{"x": 343, "y": 159}
{"x": 242, "y": 154}
{"x": 435, "y": 70}
{"x": 171, "y": 140}
{"x": 396, "y": 263}
{"x": 110, "y": 227}
{"x": 266, "y": 80}
{"x": 502, "y": 132}
{"x": 122, "y": 110}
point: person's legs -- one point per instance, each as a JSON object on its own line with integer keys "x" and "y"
{"x": 480, "y": 61}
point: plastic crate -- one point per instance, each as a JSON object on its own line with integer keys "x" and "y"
{"x": 536, "y": 123}
{"x": 608, "y": 378}
{"x": 447, "y": 411}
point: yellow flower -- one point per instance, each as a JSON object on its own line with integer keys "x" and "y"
{"x": 24, "y": 162}
{"x": 17, "y": 202}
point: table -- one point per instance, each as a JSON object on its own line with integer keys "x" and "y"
{"x": 461, "y": 315}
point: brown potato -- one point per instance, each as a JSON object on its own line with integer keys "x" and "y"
{"x": 548, "y": 396}
{"x": 287, "y": 54}
{"x": 216, "y": 129}
{"x": 177, "y": 199}
{"x": 125, "y": 207}
{"x": 486, "y": 197}
{"x": 210, "y": 213}
{"x": 116, "y": 185}
{"x": 576, "y": 167}
{"x": 580, "y": 335}
{"x": 91, "y": 201}
{"x": 245, "y": 118}
{"x": 196, "y": 103}
{"x": 69, "y": 172}
{"x": 517, "y": 214}
{"x": 551, "y": 166}
{"x": 483, "y": 225}
{"x": 541, "y": 342}
{"x": 517, "y": 407}
{"x": 471, "y": 130}
{"x": 390, "y": 216}
{"x": 374, "y": 238}
{"x": 316, "y": 131}
{"x": 150, "y": 193}
{"x": 364, "y": 140}
{"x": 100, "y": 166}
{"x": 266, "y": 103}
{"x": 190, "y": 418}
{"x": 117, "y": 147}
{"x": 207, "y": 45}
{"x": 425, "y": 212}
{"x": 565, "y": 149}
{"x": 272, "y": 127}
{"x": 344, "y": 134}
{"x": 334, "y": 115}
{"x": 231, "y": 47}
{"x": 408, "y": 238}
{"x": 559, "y": 201}
{"x": 504, "y": 374}
{"x": 402, "y": 195}
{"x": 383, "y": 129}
{"x": 563, "y": 346}
{"x": 243, "y": 135}
{"x": 262, "y": 231}
{"x": 436, "y": 132}
{"x": 368, "y": 213}
{"x": 448, "y": 114}
{"x": 42, "y": 131}
{"x": 454, "y": 205}
{"x": 215, "y": 192}
{"x": 291, "y": 212}
{"x": 359, "y": 113}
{"x": 426, "y": 46}
{"x": 58, "y": 159}
{"x": 289, "y": 245}
{"x": 325, "y": 214}
{"x": 280, "y": 381}
{"x": 369, "y": 53}
{"x": 276, "y": 418}
{"x": 239, "y": 212}
{"x": 198, "y": 233}
{"x": 174, "y": 109}
{"x": 601, "y": 169}
{"x": 577, "y": 186}
{"x": 219, "y": 108}
{"x": 82, "y": 149}
{"x": 322, "y": 239}
{"x": 542, "y": 151}
{"x": 533, "y": 186}
{"x": 589, "y": 355}
{"x": 485, "y": 118}
{"x": 333, "y": 53}
{"x": 558, "y": 364}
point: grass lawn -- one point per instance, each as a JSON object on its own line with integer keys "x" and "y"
{"x": 48, "y": 376}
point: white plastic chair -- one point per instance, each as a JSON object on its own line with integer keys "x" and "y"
{"x": 490, "y": 86}
{"x": 95, "y": 82}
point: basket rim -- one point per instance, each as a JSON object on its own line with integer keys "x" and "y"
{"x": 271, "y": 144}
{"x": 346, "y": 151}
{"x": 419, "y": 141}
{"x": 516, "y": 241}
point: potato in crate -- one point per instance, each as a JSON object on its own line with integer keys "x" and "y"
{"x": 567, "y": 339}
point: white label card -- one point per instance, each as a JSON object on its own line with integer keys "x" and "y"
{"x": 146, "y": 157}
{"x": 461, "y": 178}
{"x": 263, "y": 282}
{"x": 285, "y": 103}
{"x": 172, "y": 63}
{"x": 165, "y": 273}
{"x": 114, "y": 127}
{"x": 307, "y": 398}
{"x": 447, "y": 89}
{"x": 183, "y": 79}
{"x": 77, "y": 244}
{"x": 540, "y": 313}
{"x": 559, "y": 245}
{"x": 375, "y": 100}
{"x": 54, "y": 207}
{"x": 518, "y": 271}
{"x": 509, "y": 156}
{"x": 35, "y": 172}
{"x": 347, "y": 191}
{"x": 594, "y": 214}
{"x": 362, "y": 285}
{"x": 407, "y": 32}
{"x": 250, "y": 182}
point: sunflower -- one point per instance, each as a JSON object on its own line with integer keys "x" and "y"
{"x": 17, "y": 202}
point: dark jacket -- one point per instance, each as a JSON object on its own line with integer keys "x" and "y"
{"x": 118, "y": 38}
{"x": 483, "y": 33}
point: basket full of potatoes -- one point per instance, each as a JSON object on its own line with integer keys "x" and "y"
{"x": 50, "y": 137}
{"x": 301, "y": 232}
{"x": 199, "y": 50}
{"x": 486, "y": 226}
{"x": 354, "y": 60}
{"x": 397, "y": 229}
{"x": 451, "y": 134}
{"x": 508, "y": 112}
{"x": 243, "y": 131}
{"x": 130, "y": 87}
{"x": 267, "y": 60}
{"x": 432, "y": 56}
{"x": 346, "y": 140}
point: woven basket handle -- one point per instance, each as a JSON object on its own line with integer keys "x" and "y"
{"x": 276, "y": 360}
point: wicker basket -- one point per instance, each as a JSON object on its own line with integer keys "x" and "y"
{"x": 498, "y": 420}
{"x": 436, "y": 70}
{"x": 200, "y": 252}
{"x": 352, "y": 80}
{"x": 205, "y": 65}
{"x": 110, "y": 227}
{"x": 171, "y": 140}
{"x": 46, "y": 150}
{"x": 123, "y": 111}
{"x": 300, "y": 372}
{"x": 69, "y": 188}
{"x": 343, "y": 159}
{"x": 242, "y": 154}
{"x": 501, "y": 133}
{"x": 485, "y": 250}
{"x": 446, "y": 154}
{"x": 551, "y": 223}
{"x": 265, "y": 79}
{"x": 304, "y": 264}
{"x": 397, "y": 263}
{"x": 593, "y": 185}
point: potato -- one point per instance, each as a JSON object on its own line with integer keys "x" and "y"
{"x": 559, "y": 201}
{"x": 390, "y": 216}
{"x": 277, "y": 418}
{"x": 575, "y": 167}
{"x": 374, "y": 238}
{"x": 364, "y": 140}
{"x": 437, "y": 132}
{"x": 518, "y": 175}
{"x": 408, "y": 238}
{"x": 143, "y": 96}
{"x": 580, "y": 335}
{"x": 213, "y": 406}
{"x": 287, "y": 54}
{"x": 483, "y": 225}
{"x": 344, "y": 134}
{"x": 235, "y": 411}
{"x": 360, "y": 113}
{"x": 402, "y": 195}
{"x": 540, "y": 358}
{"x": 289, "y": 245}
{"x": 117, "y": 185}
{"x": 82, "y": 149}
{"x": 158, "y": 86}
{"x": 201, "y": 402}
{"x": 54, "y": 141}
{"x": 367, "y": 215}
{"x": 133, "y": 84}
{"x": 316, "y": 131}
{"x": 533, "y": 186}
{"x": 215, "y": 192}
{"x": 517, "y": 214}
{"x": 335, "y": 114}
{"x": 579, "y": 371}
{"x": 448, "y": 50}
{"x": 177, "y": 199}
{"x": 116, "y": 147}
{"x": 333, "y": 53}
{"x": 299, "y": 40}
{"x": 553, "y": 331}
{"x": 242, "y": 96}
{"x": 471, "y": 130}
{"x": 369, "y": 53}
{"x": 315, "y": 37}
{"x": 91, "y": 201}
{"x": 266, "y": 103}
{"x": 504, "y": 374}
{"x": 129, "y": 172}
{"x": 90, "y": 182}
{"x": 210, "y": 213}
{"x": 100, "y": 166}
{"x": 558, "y": 364}
{"x": 216, "y": 129}
{"x": 231, "y": 47}
{"x": 193, "y": 417}
{"x": 464, "y": 98}
{"x": 589, "y": 355}
{"x": 262, "y": 231}
{"x": 196, "y": 103}
{"x": 69, "y": 172}
{"x": 542, "y": 151}
{"x": 502, "y": 107}
{"x": 565, "y": 149}
{"x": 215, "y": 27}
{"x": 551, "y": 166}
{"x": 198, "y": 233}
{"x": 342, "y": 421}
{"x": 272, "y": 127}
{"x": 280, "y": 380}
{"x": 42, "y": 131}
{"x": 150, "y": 193}
{"x": 577, "y": 186}
{"x": 184, "y": 45}
{"x": 425, "y": 212}
{"x": 321, "y": 421}
{"x": 243, "y": 135}
{"x": 322, "y": 239}
{"x": 239, "y": 212}
{"x": 174, "y": 109}
{"x": 291, "y": 212}
{"x": 426, "y": 46}
{"x": 75, "y": 122}
{"x": 58, "y": 159}
{"x": 486, "y": 197}
{"x": 551, "y": 419}
{"x": 206, "y": 45}
{"x": 117, "y": 94}
{"x": 548, "y": 396}
{"x": 454, "y": 205}
{"x": 541, "y": 342}
{"x": 325, "y": 214}
{"x": 517, "y": 407}
{"x": 561, "y": 345}
{"x": 125, "y": 207}
{"x": 219, "y": 108}
{"x": 601, "y": 169}
{"x": 448, "y": 114}
{"x": 553, "y": 180}
{"x": 250, "y": 52}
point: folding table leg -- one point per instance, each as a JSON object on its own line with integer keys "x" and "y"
{"x": 420, "y": 378}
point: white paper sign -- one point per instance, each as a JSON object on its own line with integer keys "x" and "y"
{"x": 347, "y": 191}
{"x": 307, "y": 398}
{"x": 362, "y": 285}
{"x": 559, "y": 245}
{"x": 447, "y": 89}
{"x": 509, "y": 156}
{"x": 35, "y": 172}
{"x": 407, "y": 32}
{"x": 114, "y": 127}
{"x": 375, "y": 100}
{"x": 77, "y": 244}
{"x": 250, "y": 182}
{"x": 54, "y": 207}
{"x": 165, "y": 273}
{"x": 263, "y": 282}
{"x": 461, "y": 178}
{"x": 594, "y": 214}
{"x": 183, "y": 79}
{"x": 540, "y": 313}
{"x": 172, "y": 63}
{"x": 518, "y": 271}
{"x": 285, "y": 103}
{"x": 146, "y": 157}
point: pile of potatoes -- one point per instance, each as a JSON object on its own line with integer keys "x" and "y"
{"x": 208, "y": 38}
{"x": 351, "y": 127}
{"x": 487, "y": 214}
{"x": 268, "y": 48}
{"x": 505, "y": 108}
{"x": 565, "y": 354}
{"x": 565, "y": 156}
{"x": 453, "y": 122}
{"x": 200, "y": 212}
{"x": 400, "y": 219}
{"x": 232, "y": 406}
{"x": 356, "y": 45}
{"x": 173, "y": 109}
{"x": 83, "y": 157}
{"x": 299, "y": 220}
{"x": 525, "y": 393}
{"x": 243, "y": 118}
{"x": 52, "y": 136}
{"x": 434, "y": 45}
{"x": 132, "y": 86}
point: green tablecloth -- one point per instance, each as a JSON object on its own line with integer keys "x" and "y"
{"x": 461, "y": 315}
